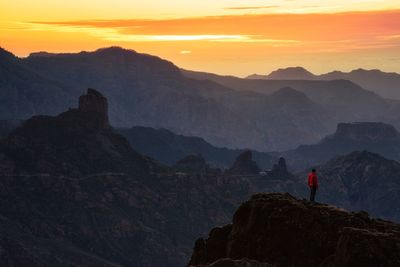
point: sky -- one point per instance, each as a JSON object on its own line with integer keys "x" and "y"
{"x": 223, "y": 36}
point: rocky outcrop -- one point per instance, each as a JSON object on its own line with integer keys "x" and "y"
{"x": 280, "y": 170}
{"x": 94, "y": 102}
{"x": 192, "y": 164}
{"x": 244, "y": 165}
{"x": 281, "y": 230}
{"x": 76, "y": 142}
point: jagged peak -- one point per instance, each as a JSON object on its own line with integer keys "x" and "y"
{"x": 244, "y": 164}
{"x": 94, "y": 102}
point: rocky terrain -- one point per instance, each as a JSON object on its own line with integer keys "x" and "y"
{"x": 280, "y": 230}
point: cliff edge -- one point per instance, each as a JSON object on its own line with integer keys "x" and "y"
{"x": 281, "y": 230}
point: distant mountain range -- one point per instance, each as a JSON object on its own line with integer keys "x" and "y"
{"x": 385, "y": 84}
{"x": 143, "y": 90}
{"x": 375, "y": 137}
{"x": 168, "y": 148}
{"x": 342, "y": 100}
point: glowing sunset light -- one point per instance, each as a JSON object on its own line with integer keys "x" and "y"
{"x": 229, "y": 37}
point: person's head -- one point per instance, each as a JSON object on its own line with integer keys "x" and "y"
{"x": 313, "y": 170}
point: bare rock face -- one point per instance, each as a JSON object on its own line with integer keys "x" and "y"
{"x": 95, "y": 102}
{"x": 244, "y": 165}
{"x": 283, "y": 231}
{"x": 279, "y": 171}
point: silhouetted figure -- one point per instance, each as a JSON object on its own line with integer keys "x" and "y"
{"x": 313, "y": 184}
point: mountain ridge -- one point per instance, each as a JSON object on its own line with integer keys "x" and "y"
{"x": 375, "y": 137}
{"x": 383, "y": 83}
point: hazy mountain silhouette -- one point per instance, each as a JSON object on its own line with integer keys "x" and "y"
{"x": 375, "y": 137}
{"x": 385, "y": 84}
{"x": 229, "y": 112}
{"x": 145, "y": 90}
{"x": 168, "y": 147}
{"x": 25, "y": 93}
{"x": 344, "y": 100}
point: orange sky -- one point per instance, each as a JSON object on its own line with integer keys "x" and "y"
{"x": 227, "y": 37}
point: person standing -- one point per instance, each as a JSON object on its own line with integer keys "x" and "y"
{"x": 313, "y": 184}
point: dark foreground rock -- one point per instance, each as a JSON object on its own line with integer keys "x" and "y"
{"x": 283, "y": 231}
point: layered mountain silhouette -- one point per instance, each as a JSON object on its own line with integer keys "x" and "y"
{"x": 144, "y": 90}
{"x": 386, "y": 84}
{"x": 375, "y": 137}
{"x": 168, "y": 147}
{"x": 25, "y": 93}
{"x": 160, "y": 96}
{"x": 280, "y": 230}
{"x": 342, "y": 100}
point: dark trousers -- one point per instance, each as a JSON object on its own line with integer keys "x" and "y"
{"x": 313, "y": 191}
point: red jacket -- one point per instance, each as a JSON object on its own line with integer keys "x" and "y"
{"x": 312, "y": 179}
